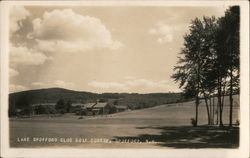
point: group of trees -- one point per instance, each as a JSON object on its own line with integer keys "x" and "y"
{"x": 208, "y": 64}
{"x": 23, "y": 103}
{"x": 23, "y": 106}
{"x": 63, "y": 106}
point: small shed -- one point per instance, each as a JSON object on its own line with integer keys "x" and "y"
{"x": 101, "y": 109}
{"x": 121, "y": 108}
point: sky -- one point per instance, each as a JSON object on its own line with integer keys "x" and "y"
{"x": 98, "y": 49}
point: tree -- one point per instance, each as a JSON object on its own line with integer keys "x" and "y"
{"x": 232, "y": 19}
{"x": 189, "y": 65}
{"x": 208, "y": 65}
{"x": 116, "y": 102}
{"x": 68, "y": 105}
{"x": 24, "y": 103}
{"x": 60, "y": 106}
{"x": 202, "y": 68}
{"x": 228, "y": 49}
{"x": 207, "y": 81}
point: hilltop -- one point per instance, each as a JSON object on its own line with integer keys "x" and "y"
{"x": 51, "y": 95}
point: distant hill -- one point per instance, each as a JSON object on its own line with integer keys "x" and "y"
{"x": 52, "y": 95}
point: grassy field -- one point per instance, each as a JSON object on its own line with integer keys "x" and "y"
{"x": 160, "y": 126}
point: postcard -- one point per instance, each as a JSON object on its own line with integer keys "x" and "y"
{"x": 125, "y": 79}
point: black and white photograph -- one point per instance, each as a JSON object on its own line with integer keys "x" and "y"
{"x": 125, "y": 76}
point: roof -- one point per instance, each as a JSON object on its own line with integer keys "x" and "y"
{"x": 100, "y": 105}
{"x": 121, "y": 106}
{"x": 89, "y": 105}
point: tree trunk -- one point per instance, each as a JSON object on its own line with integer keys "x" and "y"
{"x": 208, "y": 113}
{"x": 196, "y": 110}
{"x": 217, "y": 113}
{"x": 219, "y": 102}
{"x": 231, "y": 99}
{"x": 197, "y": 93}
{"x": 213, "y": 111}
{"x": 210, "y": 107}
{"x": 223, "y": 96}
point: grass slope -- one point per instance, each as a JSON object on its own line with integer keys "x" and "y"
{"x": 167, "y": 125}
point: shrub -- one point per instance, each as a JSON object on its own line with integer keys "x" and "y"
{"x": 237, "y": 122}
{"x": 50, "y": 110}
{"x": 193, "y": 122}
{"x": 112, "y": 110}
{"x": 81, "y": 112}
{"x": 60, "y": 104}
{"x": 61, "y": 111}
{"x": 40, "y": 109}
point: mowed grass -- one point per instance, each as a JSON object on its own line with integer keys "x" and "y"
{"x": 162, "y": 126}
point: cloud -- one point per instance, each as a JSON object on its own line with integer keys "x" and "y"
{"x": 13, "y": 72}
{"x": 147, "y": 84}
{"x": 22, "y": 55}
{"x": 108, "y": 85}
{"x": 129, "y": 77}
{"x": 164, "y": 32}
{"x": 67, "y": 31}
{"x": 16, "y": 88}
{"x": 57, "y": 83}
{"x": 17, "y": 14}
{"x": 134, "y": 85}
{"x": 63, "y": 84}
{"x": 39, "y": 84}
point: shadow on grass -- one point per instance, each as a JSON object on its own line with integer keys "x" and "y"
{"x": 191, "y": 137}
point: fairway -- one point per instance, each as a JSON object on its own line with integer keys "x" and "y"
{"x": 146, "y": 128}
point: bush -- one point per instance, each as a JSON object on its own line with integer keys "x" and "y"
{"x": 81, "y": 112}
{"x": 60, "y": 104}
{"x": 12, "y": 111}
{"x": 26, "y": 111}
{"x": 40, "y": 109}
{"x": 62, "y": 111}
{"x": 237, "y": 122}
{"x": 112, "y": 110}
{"x": 193, "y": 122}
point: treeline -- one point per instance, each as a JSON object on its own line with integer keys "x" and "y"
{"x": 208, "y": 64}
{"x": 24, "y": 108}
{"x": 62, "y": 106}
{"x": 63, "y": 98}
{"x": 140, "y": 101}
